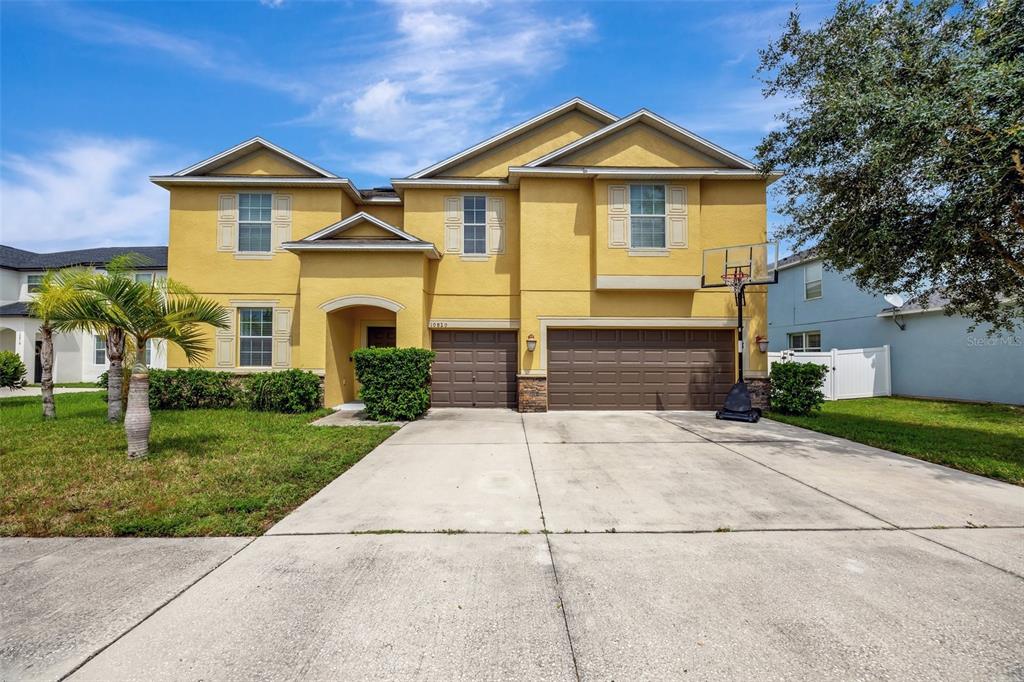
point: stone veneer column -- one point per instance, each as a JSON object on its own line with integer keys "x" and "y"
{"x": 760, "y": 392}
{"x": 533, "y": 393}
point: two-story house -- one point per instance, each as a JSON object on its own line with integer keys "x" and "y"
{"x": 555, "y": 265}
{"x": 814, "y": 308}
{"x": 76, "y": 356}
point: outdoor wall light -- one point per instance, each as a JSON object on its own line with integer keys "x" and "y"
{"x": 762, "y": 343}
{"x": 531, "y": 343}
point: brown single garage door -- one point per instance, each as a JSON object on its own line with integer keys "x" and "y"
{"x": 474, "y": 369}
{"x": 639, "y": 369}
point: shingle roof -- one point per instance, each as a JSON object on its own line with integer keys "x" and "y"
{"x": 19, "y": 259}
{"x": 14, "y": 310}
{"x": 798, "y": 257}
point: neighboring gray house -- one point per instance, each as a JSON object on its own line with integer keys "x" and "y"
{"x": 814, "y": 308}
{"x": 79, "y": 356}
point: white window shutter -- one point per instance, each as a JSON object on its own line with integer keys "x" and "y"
{"x": 282, "y": 337}
{"x": 453, "y": 224}
{"x": 224, "y": 342}
{"x": 495, "y": 225}
{"x": 227, "y": 222}
{"x": 281, "y": 215}
{"x": 618, "y": 215}
{"x": 676, "y": 217}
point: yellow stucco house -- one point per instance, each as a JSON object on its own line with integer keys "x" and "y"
{"x": 556, "y": 265}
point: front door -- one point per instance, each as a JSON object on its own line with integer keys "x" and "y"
{"x": 381, "y": 337}
{"x": 37, "y": 373}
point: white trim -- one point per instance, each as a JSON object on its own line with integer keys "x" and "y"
{"x": 426, "y": 248}
{"x": 574, "y": 104}
{"x": 452, "y": 183}
{"x": 244, "y": 149}
{"x": 654, "y": 251}
{"x": 168, "y": 181}
{"x": 475, "y": 257}
{"x": 638, "y": 173}
{"x": 624, "y": 323}
{"x": 238, "y": 369}
{"x": 360, "y": 299}
{"x": 649, "y": 282}
{"x": 464, "y": 323}
{"x": 658, "y": 123}
{"x": 354, "y": 219}
{"x": 253, "y": 255}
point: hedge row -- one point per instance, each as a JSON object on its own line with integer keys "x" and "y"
{"x": 395, "y": 381}
{"x": 291, "y": 391}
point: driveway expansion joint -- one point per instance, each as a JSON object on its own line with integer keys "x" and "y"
{"x": 551, "y": 555}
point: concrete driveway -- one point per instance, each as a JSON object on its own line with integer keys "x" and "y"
{"x": 607, "y": 546}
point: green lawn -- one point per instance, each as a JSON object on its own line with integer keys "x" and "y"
{"x": 210, "y": 472}
{"x": 982, "y": 439}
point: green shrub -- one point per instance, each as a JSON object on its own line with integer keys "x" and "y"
{"x": 184, "y": 389}
{"x": 12, "y": 370}
{"x": 291, "y": 391}
{"x": 101, "y": 380}
{"x": 796, "y": 387}
{"x": 395, "y": 381}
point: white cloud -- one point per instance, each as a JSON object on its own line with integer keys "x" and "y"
{"x": 85, "y": 191}
{"x": 447, "y": 72}
{"x": 273, "y": 4}
{"x": 107, "y": 28}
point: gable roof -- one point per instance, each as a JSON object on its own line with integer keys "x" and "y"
{"x": 575, "y": 104}
{"x": 244, "y": 149}
{"x": 355, "y": 219}
{"x": 321, "y": 240}
{"x": 660, "y": 124}
{"x": 19, "y": 259}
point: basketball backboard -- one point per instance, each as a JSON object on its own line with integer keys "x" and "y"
{"x": 753, "y": 263}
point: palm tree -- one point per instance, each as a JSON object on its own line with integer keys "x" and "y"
{"x": 120, "y": 266}
{"x": 55, "y": 300}
{"x": 162, "y": 310}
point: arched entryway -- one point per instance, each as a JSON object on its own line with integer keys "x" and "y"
{"x": 354, "y": 322}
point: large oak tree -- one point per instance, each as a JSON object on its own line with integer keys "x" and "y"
{"x": 904, "y": 151}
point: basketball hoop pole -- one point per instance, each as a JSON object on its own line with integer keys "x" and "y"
{"x": 739, "y": 323}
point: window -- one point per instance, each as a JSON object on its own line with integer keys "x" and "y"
{"x": 805, "y": 341}
{"x": 146, "y": 277}
{"x": 147, "y": 357}
{"x": 647, "y": 216}
{"x": 254, "y": 222}
{"x": 99, "y": 354}
{"x": 474, "y": 224}
{"x": 34, "y": 281}
{"x": 812, "y": 280}
{"x": 255, "y": 328}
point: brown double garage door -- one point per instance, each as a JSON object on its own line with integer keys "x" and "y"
{"x": 639, "y": 369}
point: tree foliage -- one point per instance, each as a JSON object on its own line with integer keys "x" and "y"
{"x": 903, "y": 153}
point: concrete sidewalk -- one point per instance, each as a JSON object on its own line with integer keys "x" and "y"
{"x": 491, "y": 545}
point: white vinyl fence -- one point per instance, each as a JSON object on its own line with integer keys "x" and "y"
{"x": 853, "y": 373}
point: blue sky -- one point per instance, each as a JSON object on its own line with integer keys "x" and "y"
{"x": 97, "y": 96}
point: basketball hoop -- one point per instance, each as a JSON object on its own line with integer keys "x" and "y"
{"x": 735, "y": 281}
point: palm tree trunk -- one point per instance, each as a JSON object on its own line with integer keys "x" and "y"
{"x": 115, "y": 376}
{"x": 137, "y": 418}
{"x": 46, "y": 360}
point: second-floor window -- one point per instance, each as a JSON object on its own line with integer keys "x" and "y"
{"x": 254, "y": 222}
{"x": 34, "y": 282}
{"x": 146, "y": 277}
{"x": 255, "y": 332}
{"x": 647, "y": 216}
{"x": 812, "y": 280}
{"x": 474, "y": 224}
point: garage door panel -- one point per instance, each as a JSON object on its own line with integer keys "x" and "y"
{"x": 639, "y": 368}
{"x": 474, "y": 368}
